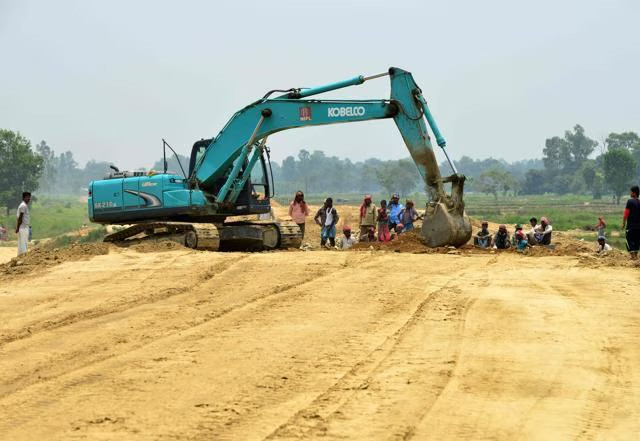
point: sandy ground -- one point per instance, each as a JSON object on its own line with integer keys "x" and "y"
{"x": 7, "y": 253}
{"x": 156, "y": 341}
{"x": 361, "y": 345}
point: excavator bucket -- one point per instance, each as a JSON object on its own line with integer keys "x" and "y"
{"x": 445, "y": 221}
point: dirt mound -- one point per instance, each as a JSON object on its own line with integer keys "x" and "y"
{"x": 410, "y": 242}
{"x": 151, "y": 245}
{"x": 563, "y": 245}
{"x": 39, "y": 259}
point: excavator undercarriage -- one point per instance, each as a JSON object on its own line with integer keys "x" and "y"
{"x": 232, "y": 236}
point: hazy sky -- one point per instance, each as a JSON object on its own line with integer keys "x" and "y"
{"x": 108, "y": 80}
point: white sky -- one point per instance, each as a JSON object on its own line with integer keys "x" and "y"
{"x": 108, "y": 80}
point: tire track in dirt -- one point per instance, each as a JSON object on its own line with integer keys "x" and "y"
{"x": 600, "y": 401}
{"x": 78, "y": 359}
{"x": 93, "y": 355}
{"x": 101, "y": 311}
{"x": 330, "y": 406}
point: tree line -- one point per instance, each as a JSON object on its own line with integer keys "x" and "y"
{"x": 571, "y": 163}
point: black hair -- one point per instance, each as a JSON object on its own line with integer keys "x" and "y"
{"x": 328, "y": 201}
{"x": 25, "y": 194}
{"x": 635, "y": 189}
{"x": 533, "y": 219}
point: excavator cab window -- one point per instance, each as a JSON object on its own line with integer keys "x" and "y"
{"x": 260, "y": 179}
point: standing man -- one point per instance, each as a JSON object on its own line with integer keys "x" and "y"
{"x": 394, "y": 209}
{"x": 327, "y": 218}
{"x": 23, "y": 223}
{"x": 368, "y": 214}
{"x": 631, "y": 222}
{"x": 299, "y": 210}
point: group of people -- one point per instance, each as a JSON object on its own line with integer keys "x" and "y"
{"x": 394, "y": 218}
{"x": 538, "y": 234}
{"x": 376, "y": 224}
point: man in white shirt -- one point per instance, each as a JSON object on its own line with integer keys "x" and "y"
{"x": 23, "y": 223}
{"x": 347, "y": 240}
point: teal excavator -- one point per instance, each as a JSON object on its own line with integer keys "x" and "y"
{"x": 230, "y": 175}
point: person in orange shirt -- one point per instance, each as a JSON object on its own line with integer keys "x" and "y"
{"x": 299, "y": 210}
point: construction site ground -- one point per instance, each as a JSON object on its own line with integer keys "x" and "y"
{"x": 395, "y": 341}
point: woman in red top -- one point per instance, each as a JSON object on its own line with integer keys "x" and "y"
{"x": 299, "y": 210}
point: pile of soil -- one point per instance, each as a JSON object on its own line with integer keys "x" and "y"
{"x": 563, "y": 245}
{"x": 38, "y": 259}
{"x": 152, "y": 245}
{"x": 410, "y": 242}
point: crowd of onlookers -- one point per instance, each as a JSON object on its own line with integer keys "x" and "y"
{"x": 385, "y": 223}
{"x": 376, "y": 224}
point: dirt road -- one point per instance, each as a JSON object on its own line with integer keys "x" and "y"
{"x": 290, "y": 345}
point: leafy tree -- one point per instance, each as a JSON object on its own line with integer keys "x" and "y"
{"x": 619, "y": 170}
{"x": 397, "y": 176}
{"x": 94, "y": 170}
{"x": 589, "y": 174}
{"x": 489, "y": 182}
{"x": 563, "y": 157}
{"x": 556, "y": 154}
{"x": 48, "y": 178}
{"x": 625, "y": 140}
{"x": 534, "y": 182}
{"x": 387, "y": 175}
{"x": 289, "y": 168}
{"x": 580, "y": 146}
{"x": 20, "y": 168}
{"x": 172, "y": 164}
{"x": 598, "y": 186}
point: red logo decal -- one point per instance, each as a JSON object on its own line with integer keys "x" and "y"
{"x": 305, "y": 113}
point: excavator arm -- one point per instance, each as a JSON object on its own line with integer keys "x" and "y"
{"x": 227, "y": 162}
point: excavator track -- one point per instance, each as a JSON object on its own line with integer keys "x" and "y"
{"x": 290, "y": 234}
{"x": 200, "y": 236}
{"x": 244, "y": 235}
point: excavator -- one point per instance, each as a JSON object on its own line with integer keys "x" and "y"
{"x": 230, "y": 175}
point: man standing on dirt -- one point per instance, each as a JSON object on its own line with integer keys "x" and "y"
{"x": 299, "y": 210}
{"x": 327, "y": 217}
{"x": 394, "y": 209}
{"x": 368, "y": 213}
{"x": 631, "y": 222}
{"x": 23, "y": 223}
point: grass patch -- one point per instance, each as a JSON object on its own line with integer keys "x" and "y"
{"x": 50, "y": 216}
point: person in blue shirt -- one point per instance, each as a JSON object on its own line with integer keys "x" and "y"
{"x": 394, "y": 209}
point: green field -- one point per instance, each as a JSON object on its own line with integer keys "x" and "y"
{"x": 51, "y": 216}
